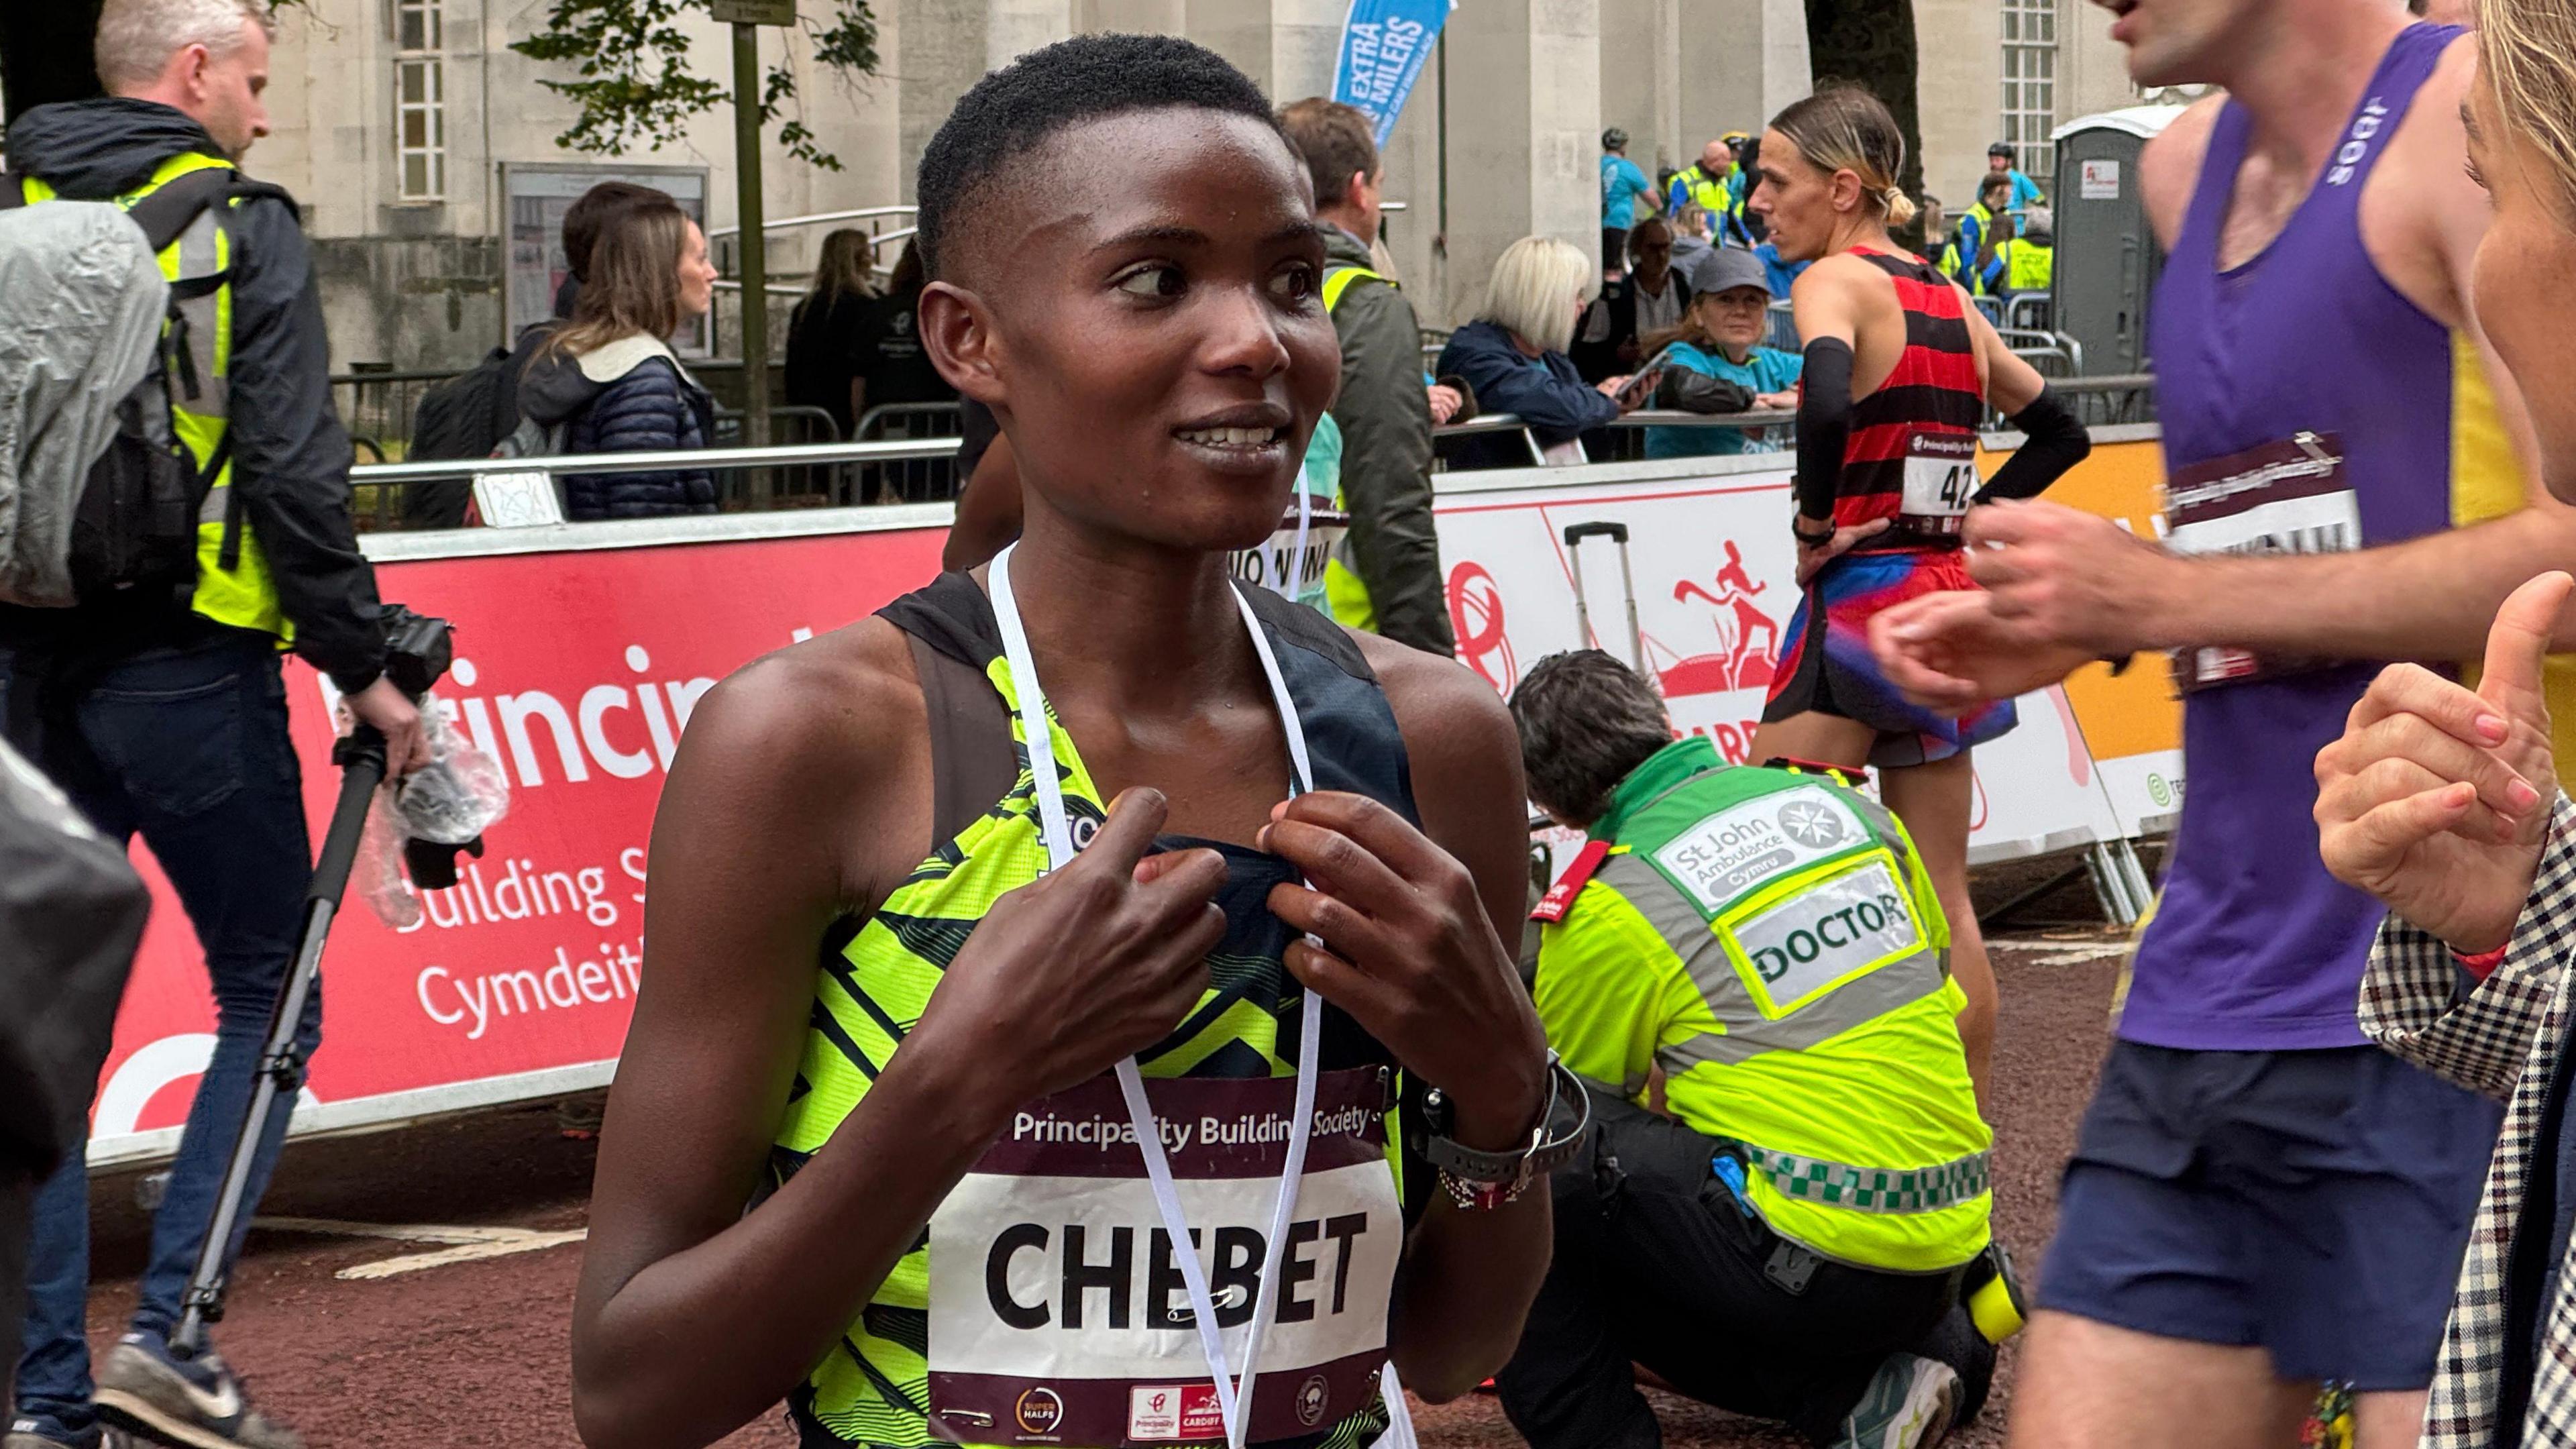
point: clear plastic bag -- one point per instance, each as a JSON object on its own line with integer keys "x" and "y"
{"x": 452, "y": 800}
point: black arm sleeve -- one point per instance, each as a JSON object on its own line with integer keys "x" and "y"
{"x": 2053, "y": 441}
{"x": 1824, "y": 424}
{"x": 1683, "y": 390}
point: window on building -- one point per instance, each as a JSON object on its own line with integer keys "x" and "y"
{"x": 420, "y": 100}
{"x": 2030, "y": 83}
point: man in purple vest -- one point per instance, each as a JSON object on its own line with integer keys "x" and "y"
{"x": 2258, "y": 1201}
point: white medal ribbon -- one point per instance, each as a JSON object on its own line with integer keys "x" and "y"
{"x": 1057, "y": 831}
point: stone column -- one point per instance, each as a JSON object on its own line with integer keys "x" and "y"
{"x": 1524, "y": 135}
{"x": 1741, "y": 61}
{"x": 1012, "y": 28}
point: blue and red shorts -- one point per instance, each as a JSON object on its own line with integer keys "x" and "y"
{"x": 1827, "y": 667}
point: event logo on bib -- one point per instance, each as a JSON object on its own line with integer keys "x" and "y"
{"x": 1312, "y": 1397}
{"x": 1040, "y": 1410}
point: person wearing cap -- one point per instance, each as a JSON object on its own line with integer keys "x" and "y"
{"x": 1716, "y": 363}
{"x": 2025, "y": 192}
{"x": 1626, "y": 195}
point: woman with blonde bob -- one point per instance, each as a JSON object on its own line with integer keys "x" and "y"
{"x": 1899, "y": 368}
{"x": 2441, "y": 801}
{"x": 1513, "y": 354}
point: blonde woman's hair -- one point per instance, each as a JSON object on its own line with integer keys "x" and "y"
{"x": 1845, "y": 128}
{"x": 1533, "y": 289}
{"x": 846, "y": 268}
{"x": 634, "y": 284}
{"x": 136, "y": 38}
{"x": 2527, "y": 52}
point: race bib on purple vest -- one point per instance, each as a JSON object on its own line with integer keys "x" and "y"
{"x": 2285, "y": 497}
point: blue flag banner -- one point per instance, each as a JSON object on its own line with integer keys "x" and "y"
{"x": 1384, "y": 43}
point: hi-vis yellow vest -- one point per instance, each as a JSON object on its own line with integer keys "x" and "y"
{"x": 233, "y": 582}
{"x": 1346, "y": 596}
{"x": 1771, "y": 942}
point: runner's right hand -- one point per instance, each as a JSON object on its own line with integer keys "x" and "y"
{"x": 1085, "y": 965}
{"x": 2437, "y": 799}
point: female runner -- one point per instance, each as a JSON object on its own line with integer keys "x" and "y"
{"x": 876, "y": 1145}
{"x": 1899, "y": 370}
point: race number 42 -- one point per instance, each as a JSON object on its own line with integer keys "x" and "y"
{"x": 1940, "y": 478}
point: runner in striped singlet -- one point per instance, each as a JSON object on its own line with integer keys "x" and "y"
{"x": 1037, "y": 1065}
{"x": 1899, "y": 369}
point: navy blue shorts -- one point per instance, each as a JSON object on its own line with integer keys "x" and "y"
{"x": 2312, "y": 1203}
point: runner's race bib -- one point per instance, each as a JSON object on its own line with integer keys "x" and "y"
{"x": 1940, "y": 478}
{"x": 1277, "y": 565}
{"x": 2285, "y": 497}
{"x": 1058, "y": 1313}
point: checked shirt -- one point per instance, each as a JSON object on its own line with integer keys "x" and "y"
{"x": 2504, "y": 1039}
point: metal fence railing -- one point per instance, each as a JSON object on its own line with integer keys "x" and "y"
{"x": 2097, "y": 401}
{"x": 747, "y": 479}
{"x": 906, "y": 452}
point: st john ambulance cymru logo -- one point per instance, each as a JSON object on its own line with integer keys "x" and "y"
{"x": 1811, "y": 824}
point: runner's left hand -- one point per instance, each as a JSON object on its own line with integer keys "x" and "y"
{"x": 1813, "y": 557}
{"x": 2071, "y": 578}
{"x": 1409, "y": 952}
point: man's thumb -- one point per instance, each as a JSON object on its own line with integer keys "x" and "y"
{"x": 2519, "y": 640}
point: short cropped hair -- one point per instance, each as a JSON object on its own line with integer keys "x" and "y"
{"x": 1011, "y": 110}
{"x": 1533, "y": 288}
{"x": 1586, "y": 721}
{"x": 593, "y": 211}
{"x": 1337, "y": 142}
{"x": 136, "y": 38}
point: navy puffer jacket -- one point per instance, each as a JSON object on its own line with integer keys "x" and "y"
{"x": 631, "y": 396}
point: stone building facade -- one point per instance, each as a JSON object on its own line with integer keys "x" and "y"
{"x": 407, "y": 126}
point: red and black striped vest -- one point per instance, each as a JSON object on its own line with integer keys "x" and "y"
{"x": 1933, "y": 390}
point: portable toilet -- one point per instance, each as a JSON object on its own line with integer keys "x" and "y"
{"x": 2107, "y": 256}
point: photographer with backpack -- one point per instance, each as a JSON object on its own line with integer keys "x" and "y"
{"x": 139, "y": 655}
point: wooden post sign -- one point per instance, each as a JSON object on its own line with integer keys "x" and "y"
{"x": 753, "y": 12}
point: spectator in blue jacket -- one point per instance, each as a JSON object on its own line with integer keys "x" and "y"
{"x": 1513, "y": 354}
{"x": 609, "y": 379}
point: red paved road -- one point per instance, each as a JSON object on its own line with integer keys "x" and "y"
{"x": 474, "y": 1354}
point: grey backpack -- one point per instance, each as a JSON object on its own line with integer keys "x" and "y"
{"x": 98, "y": 497}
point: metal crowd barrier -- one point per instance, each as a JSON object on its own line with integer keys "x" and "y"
{"x": 820, "y": 474}
{"x": 2097, "y": 401}
{"x": 738, "y": 471}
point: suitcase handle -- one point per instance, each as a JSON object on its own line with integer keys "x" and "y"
{"x": 1576, "y": 533}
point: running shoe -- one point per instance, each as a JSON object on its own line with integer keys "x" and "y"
{"x": 195, "y": 1403}
{"x": 1908, "y": 1406}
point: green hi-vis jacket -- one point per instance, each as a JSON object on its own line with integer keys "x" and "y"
{"x": 1772, "y": 942}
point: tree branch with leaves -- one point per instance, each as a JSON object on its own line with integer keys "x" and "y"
{"x": 637, "y": 89}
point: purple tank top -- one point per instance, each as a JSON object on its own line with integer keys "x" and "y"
{"x": 2255, "y": 947}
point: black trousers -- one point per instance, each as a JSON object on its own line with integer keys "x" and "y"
{"x": 1656, "y": 1264}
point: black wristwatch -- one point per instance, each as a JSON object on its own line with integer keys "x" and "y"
{"x": 1478, "y": 1180}
{"x": 1811, "y": 540}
